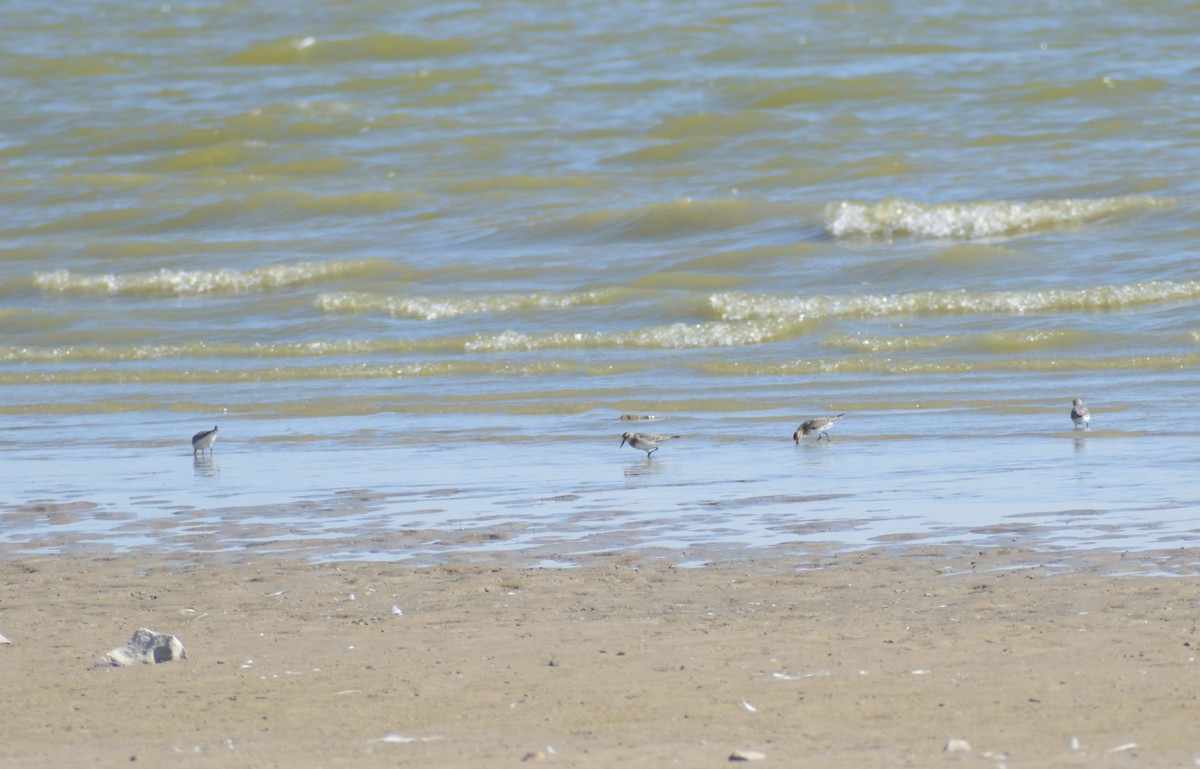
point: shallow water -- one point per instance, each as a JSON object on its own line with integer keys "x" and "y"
{"x": 416, "y": 262}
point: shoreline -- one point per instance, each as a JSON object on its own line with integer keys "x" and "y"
{"x": 700, "y": 503}
{"x": 874, "y": 658}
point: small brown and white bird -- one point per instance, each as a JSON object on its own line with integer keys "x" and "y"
{"x": 818, "y": 425}
{"x": 645, "y": 441}
{"x": 1080, "y": 415}
{"x": 204, "y": 440}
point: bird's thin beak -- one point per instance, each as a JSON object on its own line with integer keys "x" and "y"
{"x": 622, "y": 443}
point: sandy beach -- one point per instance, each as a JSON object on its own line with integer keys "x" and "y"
{"x": 417, "y": 262}
{"x": 870, "y": 659}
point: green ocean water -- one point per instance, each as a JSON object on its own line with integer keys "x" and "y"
{"x": 428, "y": 256}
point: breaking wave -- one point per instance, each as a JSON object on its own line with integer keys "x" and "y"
{"x": 742, "y": 306}
{"x": 435, "y": 308}
{"x": 896, "y": 217}
{"x": 675, "y": 336}
{"x": 186, "y": 282}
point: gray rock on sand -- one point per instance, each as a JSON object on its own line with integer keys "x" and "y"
{"x": 146, "y": 647}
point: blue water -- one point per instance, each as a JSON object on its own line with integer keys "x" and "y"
{"x": 417, "y": 261}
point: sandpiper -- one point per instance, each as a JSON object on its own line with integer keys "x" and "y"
{"x": 1080, "y": 415}
{"x": 818, "y": 425}
{"x": 204, "y": 440}
{"x": 645, "y": 441}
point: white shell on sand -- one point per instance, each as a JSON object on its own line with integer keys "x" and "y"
{"x": 957, "y": 746}
{"x": 747, "y": 755}
{"x": 4, "y": 640}
{"x": 146, "y": 647}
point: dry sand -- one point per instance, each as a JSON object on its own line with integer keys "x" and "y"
{"x": 864, "y": 660}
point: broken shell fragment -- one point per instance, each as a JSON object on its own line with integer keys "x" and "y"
{"x": 146, "y": 647}
{"x": 747, "y": 755}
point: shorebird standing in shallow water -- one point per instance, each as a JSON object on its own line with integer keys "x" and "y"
{"x": 204, "y": 440}
{"x": 1080, "y": 415}
{"x": 818, "y": 425}
{"x": 645, "y": 441}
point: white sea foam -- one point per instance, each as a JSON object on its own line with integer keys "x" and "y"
{"x": 666, "y": 337}
{"x": 736, "y": 305}
{"x": 986, "y": 219}
{"x": 435, "y": 308}
{"x": 674, "y": 336}
{"x": 181, "y": 282}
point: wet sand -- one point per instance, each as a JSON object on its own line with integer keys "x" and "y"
{"x": 872, "y": 659}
